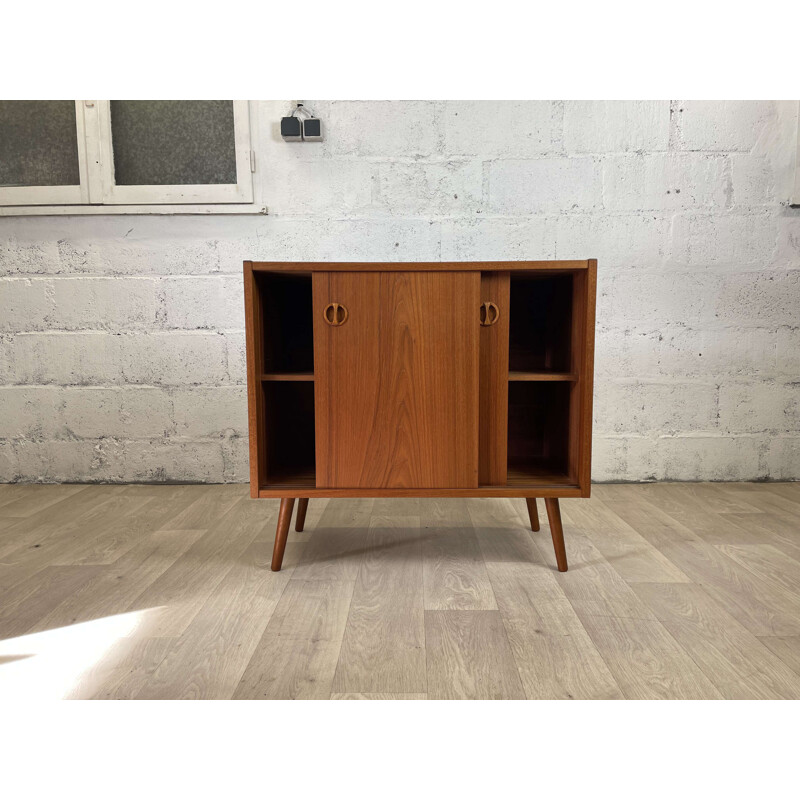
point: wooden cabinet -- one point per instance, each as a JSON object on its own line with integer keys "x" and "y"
{"x": 427, "y": 379}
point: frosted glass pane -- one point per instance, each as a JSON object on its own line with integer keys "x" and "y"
{"x": 38, "y": 143}
{"x": 165, "y": 142}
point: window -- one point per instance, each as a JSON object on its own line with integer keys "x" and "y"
{"x": 40, "y": 160}
{"x": 125, "y": 156}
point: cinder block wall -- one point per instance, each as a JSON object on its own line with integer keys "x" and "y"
{"x": 121, "y": 337}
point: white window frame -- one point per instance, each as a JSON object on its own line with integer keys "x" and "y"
{"x": 99, "y": 194}
{"x": 56, "y": 195}
{"x": 795, "y": 199}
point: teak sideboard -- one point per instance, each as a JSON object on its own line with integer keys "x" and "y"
{"x": 420, "y": 380}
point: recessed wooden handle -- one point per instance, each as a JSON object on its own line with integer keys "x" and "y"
{"x": 490, "y": 313}
{"x": 335, "y": 314}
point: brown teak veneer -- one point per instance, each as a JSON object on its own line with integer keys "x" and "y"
{"x": 451, "y": 379}
{"x": 533, "y": 513}
{"x": 284, "y": 520}
{"x": 300, "y": 521}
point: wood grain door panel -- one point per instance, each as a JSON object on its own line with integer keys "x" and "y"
{"x": 396, "y": 385}
{"x": 493, "y": 459}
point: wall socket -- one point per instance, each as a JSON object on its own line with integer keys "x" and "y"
{"x": 292, "y": 129}
{"x": 301, "y": 128}
{"x": 312, "y": 130}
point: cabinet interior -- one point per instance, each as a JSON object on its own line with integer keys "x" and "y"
{"x": 542, "y": 376}
{"x": 540, "y": 319}
{"x": 287, "y": 377}
{"x": 287, "y": 322}
{"x": 538, "y": 431}
{"x": 289, "y": 416}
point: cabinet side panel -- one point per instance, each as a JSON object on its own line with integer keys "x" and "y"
{"x": 585, "y": 472}
{"x": 493, "y": 444}
{"x": 583, "y": 325}
{"x": 255, "y": 401}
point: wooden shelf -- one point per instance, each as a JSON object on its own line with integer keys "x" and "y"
{"x": 298, "y": 478}
{"x": 536, "y": 473}
{"x": 542, "y": 376}
{"x": 287, "y": 376}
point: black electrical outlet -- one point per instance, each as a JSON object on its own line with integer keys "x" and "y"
{"x": 312, "y": 130}
{"x": 291, "y": 129}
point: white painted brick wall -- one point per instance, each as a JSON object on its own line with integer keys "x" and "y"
{"x": 664, "y": 181}
{"x": 616, "y": 126}
{"x": 502, "y": 129}
{"x": 545, "y": 185}
{"x": 121, "y": 337}
{"x": 727, "y": 126}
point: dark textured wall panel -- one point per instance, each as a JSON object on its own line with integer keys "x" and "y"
{"x": 38, "y": 143}
{"x": 165, "y": 142}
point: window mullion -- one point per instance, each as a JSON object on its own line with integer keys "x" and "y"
{"x": 82, "y": 161}
{"x": 95, "y": 149}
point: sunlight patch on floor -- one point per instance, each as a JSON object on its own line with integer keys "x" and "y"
{"x": 46, "y": 665}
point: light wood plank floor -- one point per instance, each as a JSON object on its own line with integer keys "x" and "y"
{"x": 674, "y": 591}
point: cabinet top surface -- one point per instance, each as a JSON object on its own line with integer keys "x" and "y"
{"x": 415, "y": 266}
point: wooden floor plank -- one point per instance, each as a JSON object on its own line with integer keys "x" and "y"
{"x": 790, "y": 491}
{"x": 31, "y": 531}
{"x": 209, "y": 659}
{"x": 78, "y": 533}
{"x": 115, "y": 587}
{"x": 454, "y": 572}
{"x": 593, "y": 586}
{"x": 384, "y": 642}
{"x": 210, "y": 503}
{"x": 9, "y": 492}
{"x": 766, "y": 528}
{"x": 646, "y": 661}
{"x": 186, "y": 585}
{"x": 787, "y": 648}
{"x": 316, "y": 508}
{"x": 631, "y": 555}
{"x": 123, "y": 673}
{"x": 763, "y": 608}
{"x": 771, "y": 500}
{"x": 127, "y": 529}
{"x": 554, "y": 654}
{"x": 25, "y": 500}
{"x": 296, "y": 657}
{"x": 469, "y": 657}
{"x": 378, "y": 696}
{"x": 768, "y": 564}
{"x": 25, "y": 604}
{"x": 683, "y": 499}
{"x": 673, "y": 591}
{"x": 734, "y": 660}
{"x": 338, "y": 542}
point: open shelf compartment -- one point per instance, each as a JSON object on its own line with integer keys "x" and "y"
{"x": 286, "y": 385}
{"x": 286, "y": 324}
{"x": 539, "y": 433}
{"x": 289, "y": 415}
{"x": 540, "y": 323}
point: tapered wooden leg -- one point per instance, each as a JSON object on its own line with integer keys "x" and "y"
{"x": 284, "y": 520}
{"x": 533, "y": 513}
{"x": 556, "y": 531}
{"x": 302, "y": 507}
